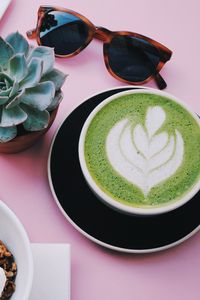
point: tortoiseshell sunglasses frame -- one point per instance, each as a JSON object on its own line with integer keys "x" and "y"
{"x": 106, "y": 37}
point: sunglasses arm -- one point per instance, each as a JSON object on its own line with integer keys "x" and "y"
{"x": 160, "y": 81}
{"x": 157, "y": 77}
{"x": 31, "y": 34}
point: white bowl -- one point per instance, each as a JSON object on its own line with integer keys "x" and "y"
{"x": 13, "y": 235}
{"x": 105, "y": 197}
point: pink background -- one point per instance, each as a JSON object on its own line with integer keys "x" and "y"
{"x": 97, "y": 273}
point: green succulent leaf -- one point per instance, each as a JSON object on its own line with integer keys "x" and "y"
{"x": 31, "y": 47}
{"x": 56, "y": 76}
{"x": 37, "y": 120}
{"x": 40, "y": 96}
{"x": 6, "y": 52}
{"x": 14, "y": 89}
{"x": 13, "y": 116}
{"x": 46, "y": 54}
{"x": 8, "y": 83}
{"x": 5, "y": 92}
{"x": 34, "y": 74}
{"x": 7, "y": 133}
{"x": 56, "y": 101}
{"x": 3, "y": 100}
{"x": 6, "y": 79}
{"x": 17, "y": 66}
{"x": 15, "y": 101}
{"x": 18, "y": 43}
{"x": 5, "y": 85}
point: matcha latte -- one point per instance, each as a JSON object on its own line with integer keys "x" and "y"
{"x": 140, "y": 152}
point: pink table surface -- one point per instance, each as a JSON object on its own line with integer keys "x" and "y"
{"x": 97, "y": 273}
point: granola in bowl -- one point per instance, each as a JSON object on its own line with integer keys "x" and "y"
{"x": 8, "y": 265}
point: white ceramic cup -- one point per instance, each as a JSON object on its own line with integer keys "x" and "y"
{"x": 13, "y": 235}
{"x": 105, "y": 197}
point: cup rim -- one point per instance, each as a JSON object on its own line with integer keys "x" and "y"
{"x": 18, "y": 224}
{"x": 105, "y": 198}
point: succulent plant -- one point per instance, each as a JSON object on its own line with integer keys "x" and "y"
{"x": 30, "y": 87}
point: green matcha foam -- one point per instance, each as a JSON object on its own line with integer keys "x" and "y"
{"x": 143, "y": 150}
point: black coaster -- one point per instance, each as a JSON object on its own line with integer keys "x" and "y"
{"x": 96, "y": 220}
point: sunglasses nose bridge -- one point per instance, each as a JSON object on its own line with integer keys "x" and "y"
{"x": 103, "y": 34}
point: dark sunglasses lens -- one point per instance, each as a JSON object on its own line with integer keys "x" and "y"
{"x": 132, "y": 59}
{"x": 64, "y": 32}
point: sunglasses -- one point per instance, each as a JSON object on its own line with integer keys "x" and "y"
{"x": 129, "y": 57}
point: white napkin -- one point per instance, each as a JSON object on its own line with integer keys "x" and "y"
{"x": 3, "y": 6}
{"x": 51, "y": 272}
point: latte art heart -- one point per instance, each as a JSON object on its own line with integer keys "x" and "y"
{"x": 142, "y": 156}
